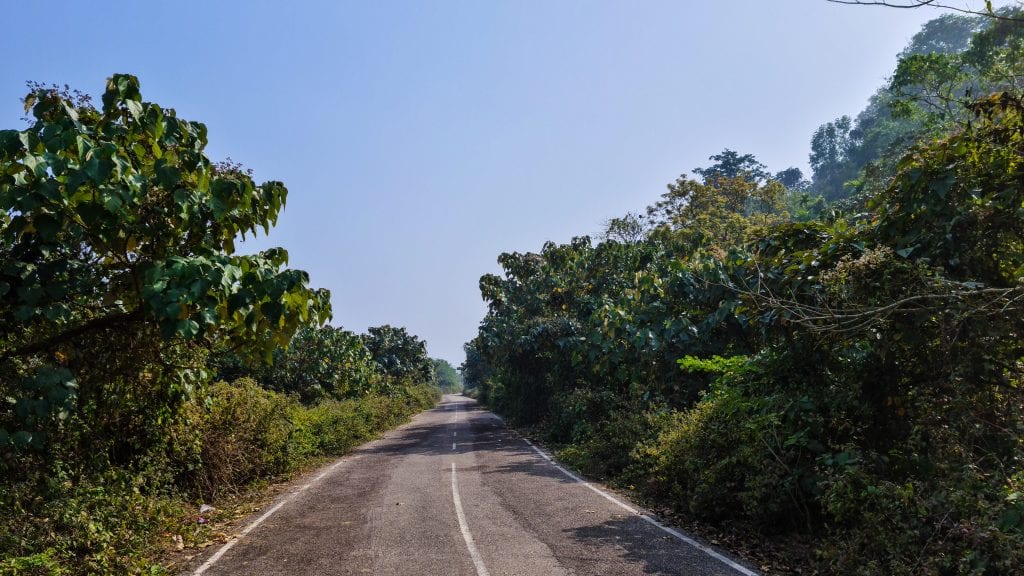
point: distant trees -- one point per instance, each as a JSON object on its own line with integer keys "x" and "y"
{"x": 628, "y": 229}
{"x": 328, "y": 362}
{"x": 445, "y": 376}
{"x": 953, "y": 59}
{"x": 475, "y": 370}
{"x": 318, "y": 363}
{"x": 398, "y": 353}
{"x": 830, "y": 158}
{"x": 732, "y": 195}
{"x": 730, "y": 164}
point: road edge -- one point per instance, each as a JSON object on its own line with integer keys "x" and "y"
{"x": 730, "y": 559}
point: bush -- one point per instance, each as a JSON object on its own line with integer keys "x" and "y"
{"x": 102, "y": 524}
{"x": 252, "y": 433}
{"x": 716, "y": 460}
{"x": 330, "y": 428}
{"x": 605, "y": 449}
{"x": 244, "y": 436}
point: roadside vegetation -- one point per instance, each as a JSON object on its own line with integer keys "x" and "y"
{"x": 147, "y": 367}
{"x": 839, "y": 358}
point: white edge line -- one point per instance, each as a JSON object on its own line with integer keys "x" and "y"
{"x": 478, "y": 562}
{"x": 646, "y": 518}
{"x": 252, "y": 526}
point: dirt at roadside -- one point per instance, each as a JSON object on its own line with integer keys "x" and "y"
{"x": 198, "y": 531}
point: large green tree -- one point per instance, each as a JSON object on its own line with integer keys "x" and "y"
{"x": 118, "y": 266}
{"x": 398, "y": 353}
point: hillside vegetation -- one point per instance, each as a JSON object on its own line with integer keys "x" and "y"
{"x": 840, "y": 358}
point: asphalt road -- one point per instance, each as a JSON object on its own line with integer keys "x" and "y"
{"x": 455, "y": 493}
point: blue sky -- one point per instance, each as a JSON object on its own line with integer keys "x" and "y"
{"x": 419, "y": 140}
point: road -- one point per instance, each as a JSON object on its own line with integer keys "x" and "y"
{"x": 451, "y": 493}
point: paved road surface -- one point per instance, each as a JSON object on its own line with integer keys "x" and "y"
{"x": 454, "y": 493}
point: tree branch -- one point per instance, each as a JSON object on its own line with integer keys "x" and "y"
{"x": 59, "y": 338}
{"x": 987, "y": 12}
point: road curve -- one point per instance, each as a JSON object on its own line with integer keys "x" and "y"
{"x": 455, "y": 493}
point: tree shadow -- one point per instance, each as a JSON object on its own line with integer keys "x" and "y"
{"x": 658, "y": 552}
{"x": 479, "y": 432}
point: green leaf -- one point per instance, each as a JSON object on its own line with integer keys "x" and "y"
{"x": 113, "y": 202}
{"x": 167, "y": 175}
{"x": 91, "y": 168}
{"x": 10, "y": 142}
{"x": 46, "y": 226}
{"x": 21, "y": 439}
{"x": 273, "y": 310}
{"x": 134, "y": 108}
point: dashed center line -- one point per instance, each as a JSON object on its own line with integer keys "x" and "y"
{"x": 474, "y": 554}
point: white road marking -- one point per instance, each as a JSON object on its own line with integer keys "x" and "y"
{"x": 252, "y": 526}
{"x": 478, "y": 562}
{"x": 675, "y": 533}
{"x": 454, "y": 421}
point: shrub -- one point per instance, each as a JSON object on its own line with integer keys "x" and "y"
{"x": 330, "y": 428}
{"x": 244, "y": 436}
{"x": 101, "y": 524}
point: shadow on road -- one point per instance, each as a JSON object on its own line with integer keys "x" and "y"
{"x": 657, "y": 557}
{"x": 488, "y": 434}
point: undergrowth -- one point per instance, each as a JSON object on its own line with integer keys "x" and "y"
{"x": 60, "y": 520}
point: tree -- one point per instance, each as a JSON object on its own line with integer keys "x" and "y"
{"x": 628, "y": 229}
{"x": 792, "y": 178}
{"x": 949, "y": 62}
{"x": 322, "y": 362}
{"x": 118, "y": 265}
{"x": 938, "y": 84}
{"x": 830, "y": 147}
{"x": 730, "y": 164}
{"x": 719, "y": 212}
{"x": 445, "y": 376}
{"x": 956, "y": 202}
{"x": 947, "y": 34}
{"x": 475, "y": 370}
{"x": 398, "y": 353}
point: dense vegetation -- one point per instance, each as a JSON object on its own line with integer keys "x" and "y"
{"x": 126, "y": 312}
{"x": 850, "y": 367}
{"x": 446, "y": 378}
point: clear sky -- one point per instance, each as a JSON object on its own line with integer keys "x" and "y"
{"x": 419, "y": 140}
